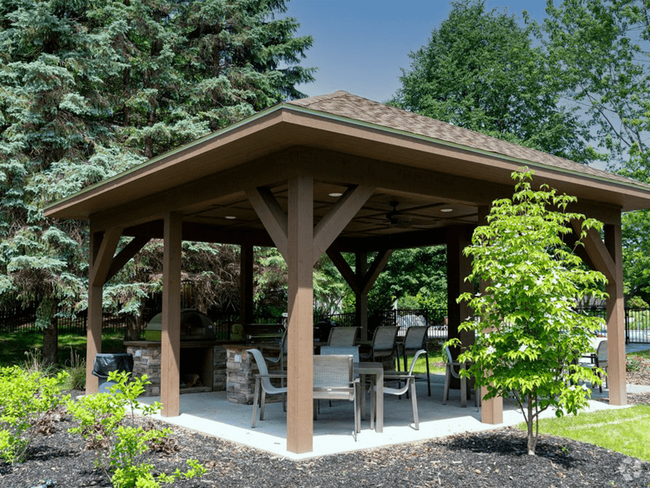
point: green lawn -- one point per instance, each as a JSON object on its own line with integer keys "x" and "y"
{"x": 14, "y": 345}
{"x": 435, "y": 356}
{"x": 625, "y": 430}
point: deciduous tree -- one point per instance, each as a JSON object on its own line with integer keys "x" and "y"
{"x": 529, "y": 332}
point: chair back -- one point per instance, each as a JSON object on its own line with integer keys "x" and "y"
{"x": 341, "y": 351}
{"x": 343, "y": 336}
{"x": 261, "y": 366}
{"x": 384, "y": 338}
{"x": 333, "y": 377}
{"x": 415, "y": 338}
{"x": 601, "y": 353}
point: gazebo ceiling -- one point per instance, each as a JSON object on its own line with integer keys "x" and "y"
{"x": 427, "y": 175}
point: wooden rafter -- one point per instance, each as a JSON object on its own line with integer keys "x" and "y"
{"x": 103, "y": 261}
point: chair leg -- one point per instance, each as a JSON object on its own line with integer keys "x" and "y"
{"x": 445, "y": 393}
{"x": 262, "y": 404}
{"x": 414, "y": 401}
{"x": 426, "y": 357}
{"x": 255, "y": 399}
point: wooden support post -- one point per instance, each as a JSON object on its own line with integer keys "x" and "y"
{"x": 94, "y": 322}
{"x": 102, "y": 248}
{"x": 300, "y": 254}
{"x": 491, "y": 410}
{"x": 246, "y": 283}
{"x": 458, "y": 268}
{"x": 361, "y": 295}
{"x": 170, "y": 344}
{"x": 615, "y": 319}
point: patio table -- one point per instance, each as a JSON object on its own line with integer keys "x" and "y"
{"x": 376, "y": 370}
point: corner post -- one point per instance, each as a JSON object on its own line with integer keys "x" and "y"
{"x": 616, "y": 319}
{"x": 170, "y": 346}
{"x": 300, "y": 254}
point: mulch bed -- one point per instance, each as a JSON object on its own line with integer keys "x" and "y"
{"x": 489, "y": 459}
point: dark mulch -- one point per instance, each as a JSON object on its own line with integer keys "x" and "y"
{"x": 490, "y": 459}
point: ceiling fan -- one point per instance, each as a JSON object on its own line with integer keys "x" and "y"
{"x": 395, "y": 217}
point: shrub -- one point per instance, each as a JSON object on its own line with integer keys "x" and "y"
{"x": 27, "y": 402}
{"x": 108, "y": 424}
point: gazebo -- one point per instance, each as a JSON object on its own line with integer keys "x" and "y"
{"x": 319, "y": 175}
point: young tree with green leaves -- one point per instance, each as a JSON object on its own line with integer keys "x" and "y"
{"x": 482, "y": 70}
{"x": 529, "y": 332}
{"x": 91, "y": 88}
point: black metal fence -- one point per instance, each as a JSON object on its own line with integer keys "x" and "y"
{"x": 15, "y": 319}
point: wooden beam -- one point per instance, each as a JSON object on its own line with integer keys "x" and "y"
{"x": 299, "y": 256}
{"x": 344, "y": 268}
{"x": 340, "y": 215}
{"x": 170, "y": 344}
{"x": 615, "y": 319}
{"x": 125, "y": 255}
{"x": 600, "y": 256}
{"x": 375, "y": 270}
{"x": 104, "y": 259}
{"x": 272, "y": 216}
{"x": 266, "y": 171}
{"x": 407, "y": 240}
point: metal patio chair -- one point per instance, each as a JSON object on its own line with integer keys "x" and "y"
{"x": 341, "y": 351}
{"x": 343, "y": 336}
{"x": 263, "y": 385}
{"x": 334, "y": 380}
{"x": 452, "y": 369}
{"x": 409, "y": 385}
{"x": 414, "y": 341}
{"x": 383, "y": 343}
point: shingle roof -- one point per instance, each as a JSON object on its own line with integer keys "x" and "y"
{"x": 344, "y": 104}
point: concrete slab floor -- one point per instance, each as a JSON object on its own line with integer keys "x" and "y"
{"x": 211, "y": 413}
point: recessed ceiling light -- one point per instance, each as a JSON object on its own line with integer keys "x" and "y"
{"x": 336, "y": 195}
{"x": 446, "y": 210}
{"x": 230, "y": 217}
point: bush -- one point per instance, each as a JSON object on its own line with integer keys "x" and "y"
{"x": 27, "y": 402}
{"x": 103, "y": 420}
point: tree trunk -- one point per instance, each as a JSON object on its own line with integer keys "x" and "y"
{"x": 532, "y": 438}
{"x": 45, "y": 319}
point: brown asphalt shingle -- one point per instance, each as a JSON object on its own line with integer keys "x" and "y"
{"x": 344, "y": 104}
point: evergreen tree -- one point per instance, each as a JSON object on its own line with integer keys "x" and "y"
{"x": 91, "y": 88}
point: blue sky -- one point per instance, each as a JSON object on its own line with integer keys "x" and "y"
{"x": 360, "y": 45}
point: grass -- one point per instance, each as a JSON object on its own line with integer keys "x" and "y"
{"x": 625, "y": 430}
{"x": 642, "y": 354}
{"x": 435, "y": 356}
{"x": 15, "y": 346}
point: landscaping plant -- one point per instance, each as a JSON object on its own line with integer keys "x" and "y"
{"x": 529, "y": 331}
{"x": 108, "y": 423}
{"x": 28, "y": 400}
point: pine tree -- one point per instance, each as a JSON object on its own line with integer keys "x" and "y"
{"x": 91, "y": 88}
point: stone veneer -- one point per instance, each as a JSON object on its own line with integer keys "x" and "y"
{"x": 146, "y": 360}
{"x": 242, "y": 368}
